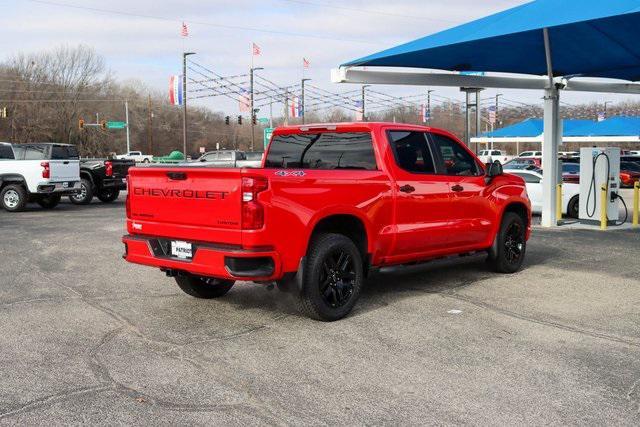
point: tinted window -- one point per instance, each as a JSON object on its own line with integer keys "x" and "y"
{"x": 34, "y": 152}
{"x": 457, "y": 160}
{"x": 6, "y": 153}
{"x": 322, "y": 151}
{"x": 496, "y": 153}
{"x": 412, "y": 151}
{"x": 63, "y": 152}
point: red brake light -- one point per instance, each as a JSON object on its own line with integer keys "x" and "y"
{"x": 252, "y": 210}
{"x": 108, "y": 168}
{"x": 127, "y": 203}
{"x": 46, "y": 170}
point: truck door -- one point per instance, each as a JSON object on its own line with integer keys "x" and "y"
{"x": 470, "y": 210}
{"x": 422, "y": 204}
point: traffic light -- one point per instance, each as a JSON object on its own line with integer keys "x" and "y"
{"x": 103, "y": 124}
{"x": 239, "y": 120}
{"x": 226, "y": 120}
{"x": 80, "y": 124}
{"x": 254, "y": 119}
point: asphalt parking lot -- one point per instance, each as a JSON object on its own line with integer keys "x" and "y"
{"x": 88, "y": 338}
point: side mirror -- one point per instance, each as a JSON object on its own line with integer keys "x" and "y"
{"x": 493, "y": 169}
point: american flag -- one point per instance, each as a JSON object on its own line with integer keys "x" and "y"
{"x": 185, "y": 30}
{"x": 244, "y": 101}
{"x": 256, "y": 50}
{"x": 305, "y": 63}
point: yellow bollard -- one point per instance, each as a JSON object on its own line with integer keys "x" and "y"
{"x": 603, "y": 208}
{"x": 559, "y": 203}
{"x": 636, "y": 203}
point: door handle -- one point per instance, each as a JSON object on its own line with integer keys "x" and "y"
{"x": 457, "y": 188}
{"x": 407, "y": 189}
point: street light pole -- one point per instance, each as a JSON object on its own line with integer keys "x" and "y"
{"x": 253, "y": 112}
{"x": 429, "y": 104}
{"x": 184, "y": 102}
{"x": 304, "y": 112}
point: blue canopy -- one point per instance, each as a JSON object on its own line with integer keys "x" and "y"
{"x": 531, "y": 128}
{"x": 592, "y": 38}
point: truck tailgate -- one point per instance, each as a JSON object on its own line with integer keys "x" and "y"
{"x": 64, "y": 170}
{"x": 197, "y": 204}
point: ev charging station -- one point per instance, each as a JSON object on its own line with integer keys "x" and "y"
{"x": 599, "y": 167}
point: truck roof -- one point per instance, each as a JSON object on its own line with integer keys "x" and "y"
{"x": 357, "y": 126}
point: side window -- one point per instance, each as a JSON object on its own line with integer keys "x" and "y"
{"x": 412, "y": 151}
{"x": 457, "y": 161}
{"x": 225, "y": 155}
{"x": 35, "y": 152}
{"x": 326, "y": 151}
{"x": 6, "y": 153}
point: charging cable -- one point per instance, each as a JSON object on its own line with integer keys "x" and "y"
{"x": 593, "y": 188}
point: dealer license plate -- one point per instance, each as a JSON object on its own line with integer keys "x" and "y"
{"x": 182, "y": 250}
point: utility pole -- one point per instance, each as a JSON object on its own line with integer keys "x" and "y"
{"x": 364, "y": 96}
{"x": 184, "y": 102}
{"x": 304, "y": 112}
{"x": 606, "y": 116}
{"x": 126, "y": 116}
{"x": 429, "y": 104}
{"x": 271, "y": 112}
{"x": 286, "y": 108}
{"x": 253, "y": 112}
{"x": 149, "y": 125}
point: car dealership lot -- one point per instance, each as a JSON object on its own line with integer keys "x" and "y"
{"x": 88, "y": 338}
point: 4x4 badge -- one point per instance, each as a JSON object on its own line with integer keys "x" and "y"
{"x": 290, "y": 173}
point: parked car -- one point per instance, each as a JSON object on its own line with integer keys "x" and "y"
{"x": 529, "y": 154}
{"x": 136, "y": 156}
{"x": 571, "y": 173}
{"x": 331, "y": 203}
{"x": 629, "y": 173}
{"x": 517, "y": 164}
{"x": 534, "y": 161}
{"x": 568, "y": 154}
{"x": 231, "y": 159}
{"x": 41, "y": 173}
{"x": 103, "y": 179}
{"x": 570, "y": 193}
{"x": 490, "y": 156}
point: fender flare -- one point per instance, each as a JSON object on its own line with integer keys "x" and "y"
{"x": 12, "y": 178}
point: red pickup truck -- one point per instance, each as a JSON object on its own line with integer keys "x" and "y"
{"x": 330, "y": 203}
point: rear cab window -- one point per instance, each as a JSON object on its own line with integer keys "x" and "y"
{"x": 322, "y": 151}
{"x": 6, "y": 152}
{"x": 64, "y": 152}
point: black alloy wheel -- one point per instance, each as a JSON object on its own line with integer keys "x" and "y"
{"x": 337, "y": 278}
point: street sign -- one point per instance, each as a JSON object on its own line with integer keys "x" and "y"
{"x": 263, "y": 120}
{"x": 267, "y": 136}
{"x": 116, "y": 125}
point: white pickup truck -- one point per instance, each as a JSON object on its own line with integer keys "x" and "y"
{"x": 137, "y": 156}
{"x": 490, "y": 156}
{"x": 39, "y": 172}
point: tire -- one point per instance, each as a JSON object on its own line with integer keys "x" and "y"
{"x": 204, "y": 287}
{"x": 508, "y": 252}
{"x": 108, "y": 196}
{"x": 332, "y": 278}
{"x": 14, "y": 197}
{"x": 573, "y": 209}
{"x": 50, "y": 201}
{"x": 86, "y": 193}
{"x": 146, "y": 161}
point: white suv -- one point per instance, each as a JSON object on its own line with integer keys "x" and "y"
{"x": 39, "y": 172}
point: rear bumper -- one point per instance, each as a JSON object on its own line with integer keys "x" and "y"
{"x": 114, "y": 183}
{"x": 63, "y": 188}
{"x": 210, "y": 260}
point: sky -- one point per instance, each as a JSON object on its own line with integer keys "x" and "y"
{"x": 140, "y": 39}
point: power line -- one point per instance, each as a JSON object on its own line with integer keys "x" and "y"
{"x": 208, "y": 24}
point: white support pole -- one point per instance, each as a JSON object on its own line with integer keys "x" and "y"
{"x": 550, "y": 145}
{"x": 552, "y": 138}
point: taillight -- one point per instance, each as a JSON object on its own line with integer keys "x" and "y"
{"x": 252, "y": 210}
{"x": 46, "y": 170}
{"x": 127, "y": 204}
{"x": 108, "y": 168}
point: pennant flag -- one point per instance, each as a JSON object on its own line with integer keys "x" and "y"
{"x": 175, "y": 90}
{"x": 295, "y": 108}
{"x": 256, "y": 50}
{"x": 305, "y": 63}
{"x": 185, "y": 30}
{"x": 425, "y": 113}
{"x": 492, "y": 115}
{"x": 244, "y": 101}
